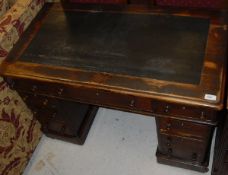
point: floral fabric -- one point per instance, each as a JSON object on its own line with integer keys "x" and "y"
{"x": 15, "y": 21}
{"x": 19, "y": 131}
{"x": 11, "y": 2}
{"x": 4, "y": 6}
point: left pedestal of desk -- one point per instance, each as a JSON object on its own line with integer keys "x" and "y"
{"x": 60, "y": 118}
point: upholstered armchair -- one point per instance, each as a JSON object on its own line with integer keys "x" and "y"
{"x": 19, "y": 131}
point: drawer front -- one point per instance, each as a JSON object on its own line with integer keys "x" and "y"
{"x": 225, "y": 170}
{"x": 44, "y": 108}
{"x": 71, "y": 122}
{"x": 35, "y": 87}
{"x": 69, "y": 117}
{"x": 113, "y": 99}
{"x": 226, "y": 156}
{"x": 54, "y": 114}
{"x": 38, "y": 101}
{"x": 184, "y": 128}
{"x": 44, "y": 116}
{"x": 183, "y": 111}
{"x": 182, "y": 148}
{"x": 92, "y": 96}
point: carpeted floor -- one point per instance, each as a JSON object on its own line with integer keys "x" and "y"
{"x": 119, "y": 143}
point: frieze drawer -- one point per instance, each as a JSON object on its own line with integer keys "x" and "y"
{"x": 184, "y": 111}
{"x": 184, "y": 128}
{"x": 117, "y": 100}
{"x": 39, "y": 101}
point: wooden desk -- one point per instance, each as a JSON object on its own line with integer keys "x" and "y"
{"x": 163, "y": 63}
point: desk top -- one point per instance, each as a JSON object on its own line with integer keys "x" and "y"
{"x": 168, "y": 54}
{"x": 161, "y": 47}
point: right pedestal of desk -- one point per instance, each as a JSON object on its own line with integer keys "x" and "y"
{"x": 184, "y": 144}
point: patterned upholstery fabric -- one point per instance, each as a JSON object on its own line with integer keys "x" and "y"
{"x": 191, "y": 3}
{"x": 19, "y": 131}
{"x": 11, "y": 2}
{"x": 4, "y": 6}
{"x": 15, "y": 21}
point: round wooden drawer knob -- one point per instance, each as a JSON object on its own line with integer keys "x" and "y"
{"x": 45, "y": 102}
{"x": 167, "y": 109}
{"x": 60, "y": 91}
{"x": 34, "y": 88}
{"x": 168, "y": 126}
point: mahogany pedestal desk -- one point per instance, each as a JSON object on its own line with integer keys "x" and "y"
{"x": 163, "y": 63}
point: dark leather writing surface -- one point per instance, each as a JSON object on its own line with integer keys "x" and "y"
{"x": 154, "y": 46}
